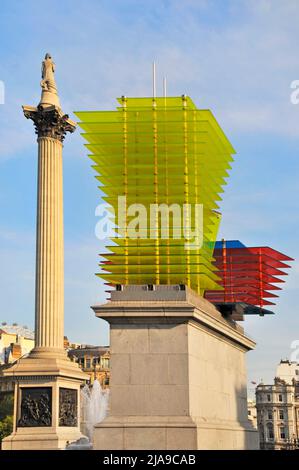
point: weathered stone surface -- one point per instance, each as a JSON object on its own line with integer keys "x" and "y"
{"x": 180, "y": 377}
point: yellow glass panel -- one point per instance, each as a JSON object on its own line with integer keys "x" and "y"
{"x": 159, "y": 151}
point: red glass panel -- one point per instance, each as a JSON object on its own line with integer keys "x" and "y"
{"x": 248, "y": 274}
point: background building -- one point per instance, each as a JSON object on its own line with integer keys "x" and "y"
{"x": 252, "y": 414}
{"x": 68, "y": 345}
{"x": 95, "y": 361}
{"x": 15, "y": 342}
{"x": 278, "y": 409}
{"x": 288, "y": 371}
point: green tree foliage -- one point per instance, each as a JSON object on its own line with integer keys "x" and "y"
{"x": 6, "y": 404}
{"x": 5, "y": 427}
{"x": 6, "y": 414}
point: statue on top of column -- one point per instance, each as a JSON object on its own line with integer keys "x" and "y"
{"x": 48, "y": 83}
{"x": 48, "y": 117}
{"x": 48, "y": 80}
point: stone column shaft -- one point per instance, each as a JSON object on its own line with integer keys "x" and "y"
{"x": 49, "y": 306}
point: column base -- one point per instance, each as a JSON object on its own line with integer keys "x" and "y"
{"x": 46, "y": 401}
{"x": 37, "y": 439}
{"x": 46, "y": 362}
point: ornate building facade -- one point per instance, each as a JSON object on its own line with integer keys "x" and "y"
{"x": 93, "y": 360}
{"x": 278, "y": 411}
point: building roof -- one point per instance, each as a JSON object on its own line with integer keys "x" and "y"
{"x": 17, "y": 330}
{"x": 92, "y": 350}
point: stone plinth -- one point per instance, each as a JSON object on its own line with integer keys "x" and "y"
{"x": 178, "y": 374}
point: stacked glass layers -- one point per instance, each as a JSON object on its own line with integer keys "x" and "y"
{"x": 248, "y": 274}
{"x": 159, "y": 151}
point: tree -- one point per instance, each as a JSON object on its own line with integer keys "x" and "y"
{"x": 6, "y": 414}
{"x": 6, "y": 426}
{"x": 6, "y": 404}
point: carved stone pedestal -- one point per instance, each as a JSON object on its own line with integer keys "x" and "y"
{"x": 47, "y": 402}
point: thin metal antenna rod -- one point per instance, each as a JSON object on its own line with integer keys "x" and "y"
{"x": 164, "y": 87}
{"x": 154, "y": 79}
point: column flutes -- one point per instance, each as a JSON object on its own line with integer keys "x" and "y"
{"x": 49, "y": 306}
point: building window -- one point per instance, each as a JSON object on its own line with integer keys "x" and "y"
{"x": 270, "y": 432}
{"x": 297, "y": 372}
{"x": 282, "y": 433}
{"x": 87, "y": 363}
{"x": 105, "y": 362}
{"x": 95, "y": 362}
{"x": 281, "y": 414}
{"x": 269, "y": 397}
{"x": 270, "y": 415}
{"x": 279, "y": 397}
{"x": 249, "y": 413}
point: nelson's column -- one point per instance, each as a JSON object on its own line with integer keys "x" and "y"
{"x": 47, "y": 383}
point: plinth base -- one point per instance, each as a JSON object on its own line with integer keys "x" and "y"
{"x": 146, "y": 432}
{"x": 35, "y": 439}
{"x": 172, "y": 433}
{"x": 178, "y": 373}
{"x": 47, "y": 401}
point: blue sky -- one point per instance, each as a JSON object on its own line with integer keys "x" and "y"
{"x": 235, "y": 57}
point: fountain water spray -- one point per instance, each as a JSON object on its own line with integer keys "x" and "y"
{"x": 94, "y": 406}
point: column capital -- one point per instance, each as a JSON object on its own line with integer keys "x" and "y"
{"x": 49, "y": 121}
